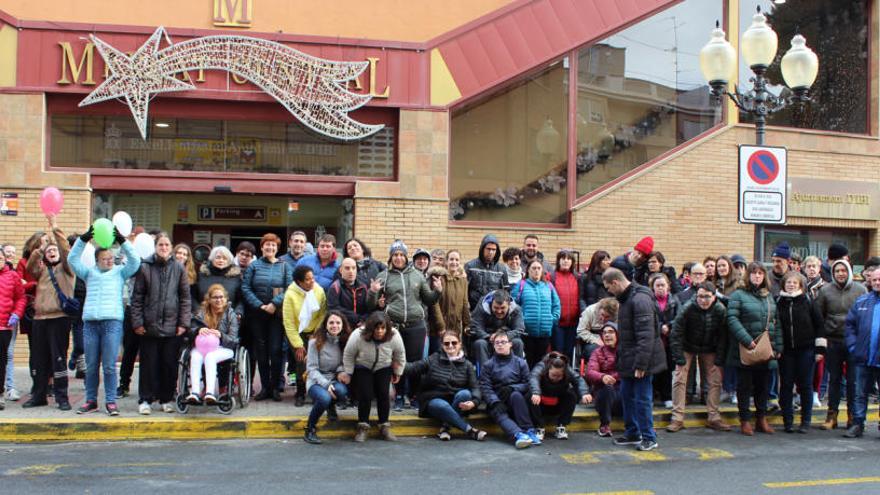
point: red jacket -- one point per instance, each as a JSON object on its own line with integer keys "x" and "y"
{"x": 11, "y": 295}
{"x": 603, "y": 362}
{"x": 30, "y": 283}
{"x": 568, "y": 290}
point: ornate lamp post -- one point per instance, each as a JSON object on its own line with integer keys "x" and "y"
{"x": 759, "y": 42}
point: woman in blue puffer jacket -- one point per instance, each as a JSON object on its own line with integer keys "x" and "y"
{"x": 540, "y": 308}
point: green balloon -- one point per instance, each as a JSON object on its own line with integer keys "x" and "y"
{"x": 103, "y": 230}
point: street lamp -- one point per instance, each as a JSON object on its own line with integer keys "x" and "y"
{"x": 759, "y": 42}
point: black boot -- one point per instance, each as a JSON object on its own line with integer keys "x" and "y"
{"x": 311, "y": 436}
{"x": 332, "y": 416}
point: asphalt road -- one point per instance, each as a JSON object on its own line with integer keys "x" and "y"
{"x": 693, "y": 461}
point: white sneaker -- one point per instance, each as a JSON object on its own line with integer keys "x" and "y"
{"x": 733, "y": 400}
{"x": 168, "y": 407}
{"x": 561, "y": 434}
{"x": 12, "y": 395}
{"x": 667, "y": 404}
{"x": 145, "y": 409}
{"x": 539, "y": 432}
{"x": 816, "y": 401}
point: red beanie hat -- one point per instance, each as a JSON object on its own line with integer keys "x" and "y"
{"x": 645, "y": 246}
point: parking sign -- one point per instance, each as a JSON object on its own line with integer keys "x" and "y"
{"x": 763, "y": 174}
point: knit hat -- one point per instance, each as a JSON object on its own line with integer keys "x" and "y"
{"x": 837, "y": 251}
{"x": 421, "y": 252}
{"x": 645, "y": 246}
{"x": 398, "y": 245}
{"x": 738, "y": 259}
{"x": 782, "y": 250}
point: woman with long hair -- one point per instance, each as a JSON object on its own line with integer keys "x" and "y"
{"x": 592, "y": 288}
{"x": 325, "y": 369}
{"x": 751, "y": 311}
{"x": 726, "y": 278}
{"x": 368, "y": 268}
{"x": 215, "y": 318}
{"x": 454, "y": 298}
{"x": 658, "y": 282}
{"x": 555, "y": 391}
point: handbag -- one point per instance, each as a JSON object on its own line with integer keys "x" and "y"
{"x": 69, "y": 305}
{"x": 763, "y": 351}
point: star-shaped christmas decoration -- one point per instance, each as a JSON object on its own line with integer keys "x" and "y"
{"x": 136, "y": 78}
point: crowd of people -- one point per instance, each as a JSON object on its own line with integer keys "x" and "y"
{"x": 525, "y": 338}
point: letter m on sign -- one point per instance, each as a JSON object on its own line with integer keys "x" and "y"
{"x": 233, "y": 13}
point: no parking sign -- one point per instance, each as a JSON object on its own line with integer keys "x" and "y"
{"x": 763, "y": 174}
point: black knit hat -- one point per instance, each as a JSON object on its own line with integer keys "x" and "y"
{"x": 837, "y": 251}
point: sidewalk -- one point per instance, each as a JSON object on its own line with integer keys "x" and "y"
{"x": 265, "y": 419}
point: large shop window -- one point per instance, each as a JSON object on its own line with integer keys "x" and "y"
{"x": 509, "y": 153}
{"x": 214, "y": 146}
{"x": 640, "y": 93}
{"x": 815, "y": 242}
{"x": 838, "y": 32}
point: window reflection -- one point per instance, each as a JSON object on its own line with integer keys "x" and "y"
{"x": 215, "y": 146}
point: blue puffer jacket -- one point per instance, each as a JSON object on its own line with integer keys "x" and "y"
{"x": 103, "y": 289}
{"x": 503, "y": 371}
{"x": 540, "y": 306}
{"x": 324, "y": 274}
{"x": 861, "y": 331}
{"x": 260, "y": 281}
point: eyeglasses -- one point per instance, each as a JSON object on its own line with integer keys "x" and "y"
{"x": 450, "y": 343}
{"x": 500, "y": 342}
{"x": 704, "y": 296}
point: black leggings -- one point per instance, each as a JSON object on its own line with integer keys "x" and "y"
{"x": 564, "y": 409}
{"x": 158, "y": 374}
{"x": 369, "y": 384}
{"x": 268, "y": 332}
{"x": 5, "y": 339}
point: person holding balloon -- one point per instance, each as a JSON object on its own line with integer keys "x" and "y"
{"x": 216, "y": 336}
{"x": 103, "y": 309}
{"x": 160, "y": 314}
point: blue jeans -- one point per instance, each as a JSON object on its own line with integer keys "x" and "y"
{"x": 563, "y": 340}
{"x": 10, "y": 367}
{"x": 774, "y": 385}
{"x": 321, "y": 399}
{"x": 866, "y": 377}
{"x": 450, "y": 413}
{"x": 796, "y": 368}
{"x": 102, "y": 339}
{"x": 637, "y": 398}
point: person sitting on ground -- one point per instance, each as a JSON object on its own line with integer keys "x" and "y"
{"x": 373, "y": 359}
{"x": 504, "y": 383}
{"x": 555, "y": 391}
{"x": 604, "y": 379}
{"x": 494, "y": 312}
{"x": 326, "y": 372}
{"x": 448, "y": 387}
{"x": 216, "y": 317}
{"x": 699, "y": 332}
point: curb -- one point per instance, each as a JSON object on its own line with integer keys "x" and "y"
{"x": 199, "y": 427}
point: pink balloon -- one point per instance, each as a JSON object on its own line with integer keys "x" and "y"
{"x": 207, "y": 343}
{"x": 51, "y": 201}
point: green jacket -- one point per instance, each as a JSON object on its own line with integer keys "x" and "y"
{"x": 406, "y": 291}
{"x": 746, "y": 319}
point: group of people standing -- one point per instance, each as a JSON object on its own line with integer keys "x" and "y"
{"x": 509, "y": 331}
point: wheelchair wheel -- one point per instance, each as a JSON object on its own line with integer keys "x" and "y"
{"x": 180, "y": 404}
{"x": 242, "y": 379}
{"x": 182, "y": 382}
{"x": 226, "y": 407}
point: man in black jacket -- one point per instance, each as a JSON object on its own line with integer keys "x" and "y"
{"x": 496, "y": 310}
{"x": 485, "y": 273}
{"x": 640, "y": 355}
{"x": 349, "y": 296}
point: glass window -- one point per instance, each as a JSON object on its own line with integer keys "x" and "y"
{"x": 509, "y": 155}
{"x": 215, "y": 146}
{"x": 815, "y": 242}
{"x": 838, "y": 33}
{"x": 641, "y": 93}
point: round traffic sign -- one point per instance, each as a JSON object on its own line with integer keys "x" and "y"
{"x": 763, "y": 167}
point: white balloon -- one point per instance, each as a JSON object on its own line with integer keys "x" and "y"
{"x": 143, "y": 245}
{"x": 88, "y": 255}
{"x": 122, "y": 222}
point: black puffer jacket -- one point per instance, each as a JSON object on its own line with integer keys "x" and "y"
{"x": 699, "y": 331}
{"x": 633, "y": 273}
{"x": 161, "y": 299}
{"x": 229, "y": 278}
{"x": 368, "y": 269}
{"x": 639, "y": 346}
{"x": 485, "y": 277}
{"x": 442, "y": 378}
{"x": 350, "y": 300}
{"x": 539, "y": 385}
{"x": 642, "y": 277}
{"x": 484, "y": 323}
{"x": 592, "y": 288}
{"x": 800, "y": 322}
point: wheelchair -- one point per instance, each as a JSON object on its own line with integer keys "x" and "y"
{"x": 233, "y": 379}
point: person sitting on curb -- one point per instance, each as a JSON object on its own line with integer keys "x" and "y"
{"x": 325, "y": 371}
{"x": 699, "y": 332}
{"x": 603, "y": 377}
{"x": 555, "y": 391}
{"x": 448, "y": 387}
{"x": 496, "y": 310}
{"x": 373, "y": 359}
{"x": 504, "y": 383}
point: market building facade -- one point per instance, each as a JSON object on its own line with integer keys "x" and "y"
{"x": 585, "y": 122}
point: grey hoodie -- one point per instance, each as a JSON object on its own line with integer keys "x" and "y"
{"x": 834, "y": 302}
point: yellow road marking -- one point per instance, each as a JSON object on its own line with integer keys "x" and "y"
{"x": 36, "y": 470}
{"x": 651, "y": 456}
{"x": 837, "y": 481}
{"x": 581, "y": 458}
{"x": 709, "y": 454}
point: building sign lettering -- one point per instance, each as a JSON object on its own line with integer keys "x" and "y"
{"x": 225, "y": 213}
{"x": 233, "y": 13}
{"x": 821, "y": 198}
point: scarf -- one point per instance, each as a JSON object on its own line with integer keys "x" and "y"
{"x": 513, "y": 276}
{"x": 459, "y": 357}
{"x": 309, "y": 308}
{"x": 662, "y": 302}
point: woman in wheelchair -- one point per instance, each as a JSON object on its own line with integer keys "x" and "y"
{"x": 324, "y": 368}
{"x": 215, "y": 318}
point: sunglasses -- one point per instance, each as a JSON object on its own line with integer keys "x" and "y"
{"x": 450, "y": 343}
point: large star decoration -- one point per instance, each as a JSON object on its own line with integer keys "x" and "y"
{"x": 135, "y": 78}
